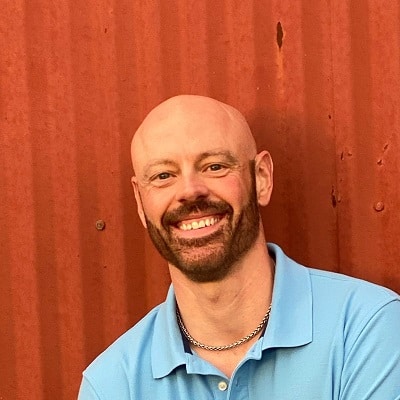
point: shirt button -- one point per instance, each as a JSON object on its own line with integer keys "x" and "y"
{"x": 222, "y": 386}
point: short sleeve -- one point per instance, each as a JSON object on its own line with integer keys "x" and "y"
{"x": 372, "y": 366}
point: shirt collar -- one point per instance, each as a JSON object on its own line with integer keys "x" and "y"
{"x": 290, "y": 322}
{"x": 289, "y": 325}
{"x": 167, "y": 350}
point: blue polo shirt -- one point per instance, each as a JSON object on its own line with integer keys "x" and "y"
{"x": 329, "y": 336}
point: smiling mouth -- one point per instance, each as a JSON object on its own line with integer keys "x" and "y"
{"x": 198, "y": 224}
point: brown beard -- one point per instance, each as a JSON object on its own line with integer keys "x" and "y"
{"x": 224, "y": 247}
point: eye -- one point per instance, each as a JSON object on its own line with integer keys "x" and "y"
{"x": 162, "y": 179}
{"x": 163, "y": 176}
{"x": 215, "y": 170}
{"x": 215, "y": 167}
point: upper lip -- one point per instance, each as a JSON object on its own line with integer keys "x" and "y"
{"x": 193, "y": 217}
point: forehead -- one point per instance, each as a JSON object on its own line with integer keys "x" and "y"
{"x": 173, "y": 133}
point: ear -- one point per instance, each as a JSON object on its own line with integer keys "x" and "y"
{"x": 138, "y": 201}
{"x": 264, "y": 177}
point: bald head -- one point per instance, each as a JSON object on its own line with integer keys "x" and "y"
{"x": 198, "y": 183}
{"x": 191, "y": 123}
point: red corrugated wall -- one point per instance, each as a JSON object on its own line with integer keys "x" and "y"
{"x": 319, "y": 82}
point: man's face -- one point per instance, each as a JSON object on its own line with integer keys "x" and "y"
{"x": 209, "y": 257}
{"x": 195, "y": 185}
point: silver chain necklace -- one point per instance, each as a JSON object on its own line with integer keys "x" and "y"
{"x": 245, "y": 339}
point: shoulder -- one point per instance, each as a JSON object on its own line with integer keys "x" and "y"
{"x": 127, "y": 345}
{"x": 333, "y": 291}
{"x": 336, "y": 303}
{"x": 116, "y": 368}
{"x": 352, "y": 291}
{"x": 352, "y": 306}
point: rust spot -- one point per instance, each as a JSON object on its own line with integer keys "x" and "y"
{"x": 333, "y": 197}
{"x": 279, "y": 35}
{"x": 345, "y": 153}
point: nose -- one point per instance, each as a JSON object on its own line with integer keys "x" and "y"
{"x": 191, "y": 187}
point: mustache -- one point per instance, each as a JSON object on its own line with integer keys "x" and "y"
{"x": 196, "y": 206}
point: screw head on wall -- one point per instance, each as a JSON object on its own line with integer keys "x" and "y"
{"x": 100, "y": 225}
{"x": 379, "y": 206}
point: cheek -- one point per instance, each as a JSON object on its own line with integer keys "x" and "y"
{"x": 155, "y": 203}
{"x": 232, "y": 189}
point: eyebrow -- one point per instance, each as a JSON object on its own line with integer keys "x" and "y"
{"x": 225, "y": 153}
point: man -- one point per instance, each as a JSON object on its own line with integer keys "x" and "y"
{"x": 241, "y": 320}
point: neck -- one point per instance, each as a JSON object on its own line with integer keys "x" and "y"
{"x": 218, "y": 313}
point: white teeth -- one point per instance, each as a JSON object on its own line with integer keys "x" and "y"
{"x": 199, "y": 224}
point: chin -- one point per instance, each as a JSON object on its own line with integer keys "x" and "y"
{"x": 209, "y": 267}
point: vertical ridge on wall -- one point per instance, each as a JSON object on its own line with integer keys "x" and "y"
{"x": 44, "y": 102}
{"x": 194, "y": 46}
{"x": 122, "y": 31}
{"x": 319, "y": 155}
{"x": 319, "y": 83}
{"x": 90, "y": 121}
{"x": 17, "y": 228}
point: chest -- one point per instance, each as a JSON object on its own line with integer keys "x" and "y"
{"x": 271, "y": 377}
